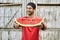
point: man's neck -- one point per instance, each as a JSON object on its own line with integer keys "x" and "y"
{"x": 31, "y": 16}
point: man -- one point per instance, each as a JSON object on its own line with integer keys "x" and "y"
{"x": 29, "y": 31}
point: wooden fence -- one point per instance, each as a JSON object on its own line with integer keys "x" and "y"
{"x": 48, "y": 9}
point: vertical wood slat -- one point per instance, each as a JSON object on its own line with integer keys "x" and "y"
{"x": 0, "y": 35}
{"x": 23, "y": 8}
{"x": 15, "y": 35}
{"x": 4, "y": 35}
{"x": 1, "y": 17}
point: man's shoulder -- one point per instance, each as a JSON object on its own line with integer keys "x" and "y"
{"x": 38, "y": 17}
{"x": 22, "y": 17}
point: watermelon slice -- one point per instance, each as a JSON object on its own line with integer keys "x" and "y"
{"x": 28, "y": 21}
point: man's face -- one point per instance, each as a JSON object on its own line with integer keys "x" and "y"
{"x": 29, "y": 10}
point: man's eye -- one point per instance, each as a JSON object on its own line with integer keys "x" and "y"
{"x": 29, "y": 8}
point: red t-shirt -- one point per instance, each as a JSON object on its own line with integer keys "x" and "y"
{"x": 30, "y": 33}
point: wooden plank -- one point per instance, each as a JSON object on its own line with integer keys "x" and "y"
{"x": 18, "y": 14}
{"x": 15, "y": 35}
{"x": 7, "y": 11}
{"x": 0, "y": 35}
{"x": 10, "y": 1}
{"x": 4, "y": 35}
{"x": 24, "y": 8}
{"x": 48, "y": 4}
{"x": 9, "y": 5}
{"x": 1, "y": 16}
{"x": 49, "y": 35}
{"x": 20, "y": 29}
{"x": 48, "y": 1}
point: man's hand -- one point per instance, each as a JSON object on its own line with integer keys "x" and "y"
{"x": 40, "y": 26}
{"x": 16, "y": 25}
{"x": 44, "y": 26}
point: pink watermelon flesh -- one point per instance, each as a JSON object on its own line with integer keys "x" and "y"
{"x": 28, "y": 21}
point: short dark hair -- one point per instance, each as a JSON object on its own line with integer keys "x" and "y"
{"x": 32, "y": 5}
